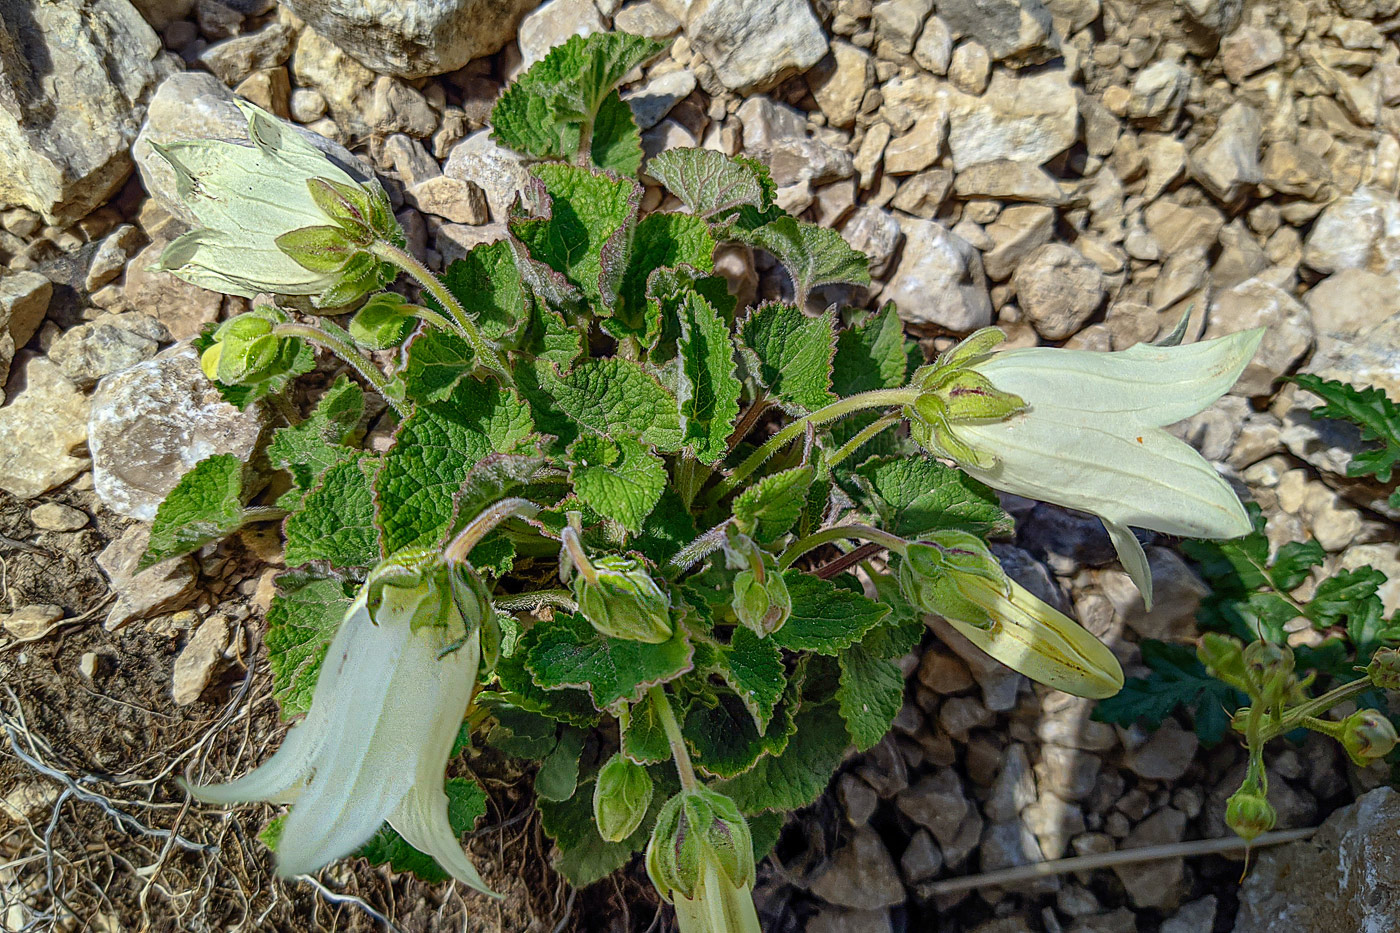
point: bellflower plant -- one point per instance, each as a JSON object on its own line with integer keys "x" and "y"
{"x": 668, "y": 548}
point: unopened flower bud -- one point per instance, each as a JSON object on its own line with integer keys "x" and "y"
{"x": 277, "y": 216}
{"x": 1223, "y": 657}
{"x": 1249, "y": 813}
{"x": 1367, "y": 735}
{"x": 761, "y": 600}
{"x": 1384, "y": 669}
{"x": 621, "y": 798}
{"x": 700, "y": 858}
{"x": 623, "y": 601}
{"x": 935, "y": 576}
{"x": 245, "y": 350}
{"x": 382, "y": 322}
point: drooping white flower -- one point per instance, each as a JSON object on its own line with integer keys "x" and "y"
{"x": 1085, "y": 430}
{"x": 392, "y": 693}
{"x": 277, "y": 216}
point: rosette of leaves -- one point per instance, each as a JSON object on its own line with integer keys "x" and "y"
{"x": 626, "y": 387}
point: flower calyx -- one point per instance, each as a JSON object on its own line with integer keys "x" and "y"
{"x": 953, "y": 393}
{"x": 761, "y": 601}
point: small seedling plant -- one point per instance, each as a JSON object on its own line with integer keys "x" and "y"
{"x": 666, "y": 547}
{"x": 1242, "y": 677}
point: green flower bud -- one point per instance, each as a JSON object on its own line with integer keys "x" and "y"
{"x": 934, "y": 576}
{"x": 1223, "y": 657}
{"x": 623, "y": 601}
{"x": 698, "y": 829}
{"x": 761, "y": 601}
{"x": 621, "y": 798}
{"x": 1384, "y": 669}
{"x": 1249, "y": 813}
{"x": 1367, "y": 735}
{"x": 245, "y": 351}
{"x": 278, "y": 217}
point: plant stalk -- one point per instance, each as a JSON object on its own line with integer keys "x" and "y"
{"x": 679, "y": 752}
{"x": 841, "y": 533}
{"x": 345, "y": 349}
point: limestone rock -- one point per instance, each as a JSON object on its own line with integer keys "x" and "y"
{"x": 1248, "y": 50}
{"x": 166, "y": 587}
{"x": 1288, "y": 334}
{"x": 1227, "y": 164}
{"x": 875, "y": 232}
{"x": 1158, "y": 93}
{"x": 462, "y": 202}
{"x": 343, "y": 82}
{"x": 1023, "y": 117}
{"x": 1058, "y": 289}
{"x": 43, "y": 432}
{"x": 198, "y": 659}
{"x": 652, "y": 100}
{"x": 109, "y": 344}
{"x": 75, "y": 77}
{"x": 1177, "y": 594}
{"x": 30, "y": 622}
{"x": 1351, "y": 302}
{"x": 152, "y": 423}
{"x": 1361, "y": 231}
{"x": 24, "y": 300}
{"x": 181, "y": 308}
{"x": 234, "y": 59}
{"x": 554, "y": 23}
{"x": 498, "y": 171}
{"x": 1017, "y": 30}
{"x": 414, "y": 40}
{"x": 753, "y": 44}
{"x": 1346, "y": 876}
{"x": 195, "y": 105}
{"x": 838, "y": 82}
{"x": 939, "y": 279}
{"x": 1159, "y": 883}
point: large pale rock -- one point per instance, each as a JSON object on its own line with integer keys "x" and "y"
{"x": 152, "y": 423}
{"x": 554, "y": 23}
{"x": 498, "y": 171}
{"x": 1352, "y": 301}
{"x": 1022, "y": 117}
{"x": 939, "y": 279}
{"x": 1288, "y": 331}
{"x": 42, "y": 432}
{"x": 414, "y": 40}
{"x": 838, "y": 82}
{"x": 753, "y": 44}
{"x": 196, "y": 105}
{"x": 75, "y": 76}
{"x": 109, "y": 344}
{"x": 1361, "y": 231}
{"x": 346, "y": 86}
{"x": 1346, "y": 876}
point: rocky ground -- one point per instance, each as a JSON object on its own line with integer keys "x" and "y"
{"x": 1079, "y": 172}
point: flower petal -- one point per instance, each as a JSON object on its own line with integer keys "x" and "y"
{"x": 1044, "y": 644}
{"x": 421, "y": 816}
{"x": 1132, "y": 557}
{"x": 1146, "y": 480}
{"x": 280, "y": 779}
{"x": 1141, "y": 387}
{"x": 362, "y": 771}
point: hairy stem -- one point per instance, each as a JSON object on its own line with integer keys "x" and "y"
{"x": 479, "y": 527}
{"x": 1313, "y": 709}
{"x": 700, "y": 548}
{"x": 487, "y": 354}
{"x": 345, "y": 349}
{"x": 878, "y": 398}
{"x": 679, "y": 753}
{"x": 862, "y": 437}
{"x": 841, "y": 533}
{"x": 577, "y": 555}
{"x": 536, "y": 599}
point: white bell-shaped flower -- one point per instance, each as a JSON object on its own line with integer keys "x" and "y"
{"x": 393, "y": 691}
{"x": 1088, "y": 434}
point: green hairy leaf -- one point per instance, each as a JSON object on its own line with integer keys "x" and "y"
{"x": 1179, "y": 681}
{"x": 546, "y": 112}
{"x": 825, "y": 617}
{"x": 567, "y": 652}
{"x": 336, "y": 522}
{"x": 301, "y": 622}
{"x": 912, "y": 496}
{"x": 709, "y": 183}
{"x": 814, "y": 256}
{"x": 870, "y": 695}
{"x": 620, "y": 480}
{"x": 791, "y": 353}
{"x": 708, "y": 391}
{"x": 204, "y": 506}
{"x": 619, "y": 398}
